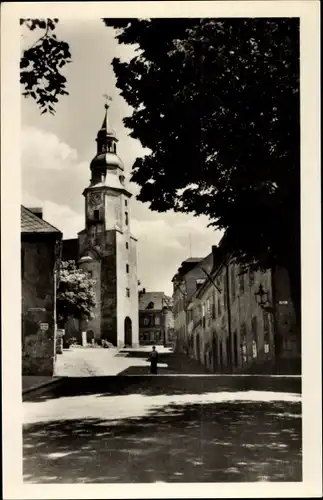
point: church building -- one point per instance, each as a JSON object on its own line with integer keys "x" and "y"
{"x": 106, "y": 248}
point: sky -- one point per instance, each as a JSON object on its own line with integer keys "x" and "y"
{"x": 56, "y": 152}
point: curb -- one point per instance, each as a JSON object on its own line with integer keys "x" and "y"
{"x": 42, "y": 385}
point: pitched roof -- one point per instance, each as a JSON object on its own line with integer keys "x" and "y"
{"x": 159, "y": 300}
{"x": 30, "y": 223}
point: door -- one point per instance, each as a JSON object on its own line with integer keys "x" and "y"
{"x": 215, "y": 354}
{"x": 128, "y": 331}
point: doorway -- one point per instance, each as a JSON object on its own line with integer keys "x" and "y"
{"x": 128, "y": 331}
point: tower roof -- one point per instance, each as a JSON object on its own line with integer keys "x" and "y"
{"x": 106, "y": 157}
{"x": 106, "y": 128}
{"x": 106, "y": 160}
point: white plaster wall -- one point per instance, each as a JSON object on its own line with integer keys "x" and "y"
{"x": 95, "y": 267}
{"x": 127, "y": 306}
{"x": 112, "y": 201}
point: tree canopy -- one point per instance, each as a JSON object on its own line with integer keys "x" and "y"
{"x": 217, "y": 103}
{"x": 41, "y": 65}
{"x": 75, "y": 296}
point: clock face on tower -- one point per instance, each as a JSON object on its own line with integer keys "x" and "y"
{"x": 94, "y": 199}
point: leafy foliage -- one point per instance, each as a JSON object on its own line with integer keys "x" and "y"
{"x": 217, "y": 103}
{"x": 75, "y": 296}
{"x": 41, "y": 65}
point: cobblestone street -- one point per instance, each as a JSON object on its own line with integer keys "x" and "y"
{"x": 164, "y": 428}
{"x": 86, "y": 362}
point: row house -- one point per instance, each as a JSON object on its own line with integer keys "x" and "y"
{"x": 41, "y": 245}
{"x": 189, "y": 275}
{"x": 233, "y": 321}
{"x": 155, "y": 318}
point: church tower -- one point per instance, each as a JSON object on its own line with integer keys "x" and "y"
{"x": 107, "y": 248}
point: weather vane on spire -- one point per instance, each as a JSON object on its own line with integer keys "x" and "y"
{"x": 107, "y": 99}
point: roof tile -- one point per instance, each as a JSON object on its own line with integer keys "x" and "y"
{"x": 30, "y": 223}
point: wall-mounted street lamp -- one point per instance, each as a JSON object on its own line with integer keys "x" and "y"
{"x": 262, "y": 299}
{"x": 261, "y": 296}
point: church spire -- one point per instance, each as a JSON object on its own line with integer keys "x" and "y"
{"x": 106, "y": 138}
{"x": 106, "y": 157}
{"x": 106, "y": 129}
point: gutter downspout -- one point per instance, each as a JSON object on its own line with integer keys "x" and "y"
{"x": 229, "y": 313}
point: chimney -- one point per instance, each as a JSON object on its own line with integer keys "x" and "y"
{"x": 38, "y": 211}
{"x": 215, "y": 254}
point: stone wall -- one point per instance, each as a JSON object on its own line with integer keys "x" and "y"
{"x": 93, "y": 267}
{"x": 38, "y": 305}
{"x": 108, "y": 289}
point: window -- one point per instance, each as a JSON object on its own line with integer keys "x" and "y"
{"x": 90, "y": 274}
{"x": 251, "y": 277}
{"x": 128, "y": 292}
{"x": 214, "y": 306}
{"x": 235, "y": 349}
{"x": 96, "y": 214}
{"x": 243, "y": 343}
{"x": 221, "y": 355}
{"x": 203, "y": 315}
{"x": 228, "y": 352}
{"x": 126, "y": 218}
{"x": 219, "y": 306}
{"x": 266, "y": 333}
{"x": 126, "y": 202}
{"x": 127, "y": 268}
{"x": 208, "y": 308}
{"x": 157, "y": 320}
{"x": 225, "y": 295}
{"x": 254, "y": 337}
{"x": 241, "y": 281}
{"x": 215, "y": 352}
{"x": 127, "y": 245}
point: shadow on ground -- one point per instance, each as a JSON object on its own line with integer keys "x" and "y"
{"x": 189, "y": 443}
{"x": 152, "y": 385}
{"x": 176, "y": 363}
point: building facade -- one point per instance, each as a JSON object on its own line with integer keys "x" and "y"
{"x": 155, "y": 318}
{"x": 231, "y": 328}
{"x": 40, "y": 260}
{"x": 188, "y": 277}
{"x": 106, "y": 247}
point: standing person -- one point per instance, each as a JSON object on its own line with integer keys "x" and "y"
{"x": 153, "y": 361}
